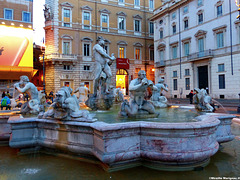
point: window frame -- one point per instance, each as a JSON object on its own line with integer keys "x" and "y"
{"x": 104, "y": 14}
{"x": 70, "y": 18}
{"x": 151, "y": 28}
{"x": 29, "y": 13}
{"x": 124, "y": 51}
{"x": 187, "y": 83}
{"x": 221, "y": 81}
{"x": 90, "y": 20}
{"x": 140, "y": 53}
{"x": 124, "y": 24}
{"x": 8, "y": 9}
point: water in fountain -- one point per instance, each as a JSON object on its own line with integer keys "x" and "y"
{"x": 224, "y": 109}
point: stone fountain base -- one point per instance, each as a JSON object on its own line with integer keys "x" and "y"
{"x": 164, "y": 146}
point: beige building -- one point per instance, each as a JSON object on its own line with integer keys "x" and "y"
{"x": 71, "y": 29}
{"x": 16, "y": 42}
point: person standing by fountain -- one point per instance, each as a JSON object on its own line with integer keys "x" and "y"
{"x": 102, "y": 64}
{"x": 138, "y": 104}
{"x": 5, "y": 102}
{"x": 191, "y": 96}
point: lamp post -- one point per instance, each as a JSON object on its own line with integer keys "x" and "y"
{"x": 43, "y": 54}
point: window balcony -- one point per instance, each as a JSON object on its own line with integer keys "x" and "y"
{"x": 160, "y": 64}
{"x": 200, "y": 55}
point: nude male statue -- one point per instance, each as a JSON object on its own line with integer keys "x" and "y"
{"x": 102, "y": 64}
{"x": 138, "y": 88}
{"x": 83, "y": 92}
{"x": 25, "y": 86}
{"x": 158, "y": 89}
{"x": 28, "y": 87}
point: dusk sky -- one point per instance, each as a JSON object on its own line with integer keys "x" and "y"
{"x": 38, "y": 21}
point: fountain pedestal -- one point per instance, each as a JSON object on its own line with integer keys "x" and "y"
{"x": 164, "y": 146}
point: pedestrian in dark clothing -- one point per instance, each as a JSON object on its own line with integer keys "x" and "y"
{"x": 191, "y": 96}
{"x": 3, "y": 94}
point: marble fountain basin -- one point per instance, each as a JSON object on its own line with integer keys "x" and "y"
{"x": 164, "y": 146}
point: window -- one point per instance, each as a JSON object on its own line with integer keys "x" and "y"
{"x": 175, "y": 84}
{"x": 219, "y": 10}
{"x": 86, "y": 68}
{"x": 151, "y": 52}
{"x": 106, "y": 49}
{"x": 66, "y": 67}
{"x": 121, "y": 2}
{"x": 104, "y": 22}
{"x": 200, "y": 18}
{"x": 161, "y": 34}
{"x": 66, "y": 17}
{"x": 8, "y": 14}
{"x": 161, "y": 56}
{"x": 137, "y": 25}
{"x": 86, "y": 49}
{"x": 221, "y": 68}
{"x": 174, "y": 29}
{"x": 26, "y": 16}
{"x": 187, "y": 72}
{"x": 151, "y": 28}
{"x": 200, "y": 45}
{"x": 186, "y": 24}
{"x": 121, "y": 52}
{"x": 185, "y": 10}
{"x": 186, "y": 49}
{"x": 104, "y": 18}
{"x": 174, "y": 52}
{"x": 174, "y": 73}
{"x": 220, "y": 42}
{"x": 66, "y": 47}
{"x": 160, "y": 22}
{"x": 137, "y": 53}
{"x": 86, "y": 20}
{"x": 173, "y": 15}
{"x": 221, "y": 79}
{"x": 200, "y": 2}
{"x": 151, "y": 4}
{"x": 86, "y": 16}
{"x": 187, "y": 83}
{"x": 121, "y": 23}
{"x": 137, "y": 3}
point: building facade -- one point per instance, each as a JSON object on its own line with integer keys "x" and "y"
{"x": 197, "y": 46}
{"x": 16, "y": 42}
{"x": 71, "y": 30}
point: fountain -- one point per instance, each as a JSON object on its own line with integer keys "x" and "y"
{"x": 136, "y": 137}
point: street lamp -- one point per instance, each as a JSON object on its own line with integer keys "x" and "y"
{"x": 43, "y": 54}
{"x": 238, "y": 4}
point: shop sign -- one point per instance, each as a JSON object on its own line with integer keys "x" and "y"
{"x": 122, "y": 63}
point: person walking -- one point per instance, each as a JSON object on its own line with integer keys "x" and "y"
{"x": 191, "y": 96}
{"x": 3, "y": 94}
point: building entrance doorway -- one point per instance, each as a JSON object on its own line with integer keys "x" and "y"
{"x": 203, "y": 77}
{"x": 122, "y": 80}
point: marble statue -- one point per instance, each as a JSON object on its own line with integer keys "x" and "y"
{"x": 102, "y": 95}
{"x": 102, "y": 65}
{"x": 24, "y": 86}
{"x": 157, "y": 98}
{"x": 65, "y": 107}
{"x": 202, "y": 100}
{"x": 118, "y": 95}
{"x": 83, "y": 93}
{"x": 138, "y": 106}
{"x": 47, "y": 13}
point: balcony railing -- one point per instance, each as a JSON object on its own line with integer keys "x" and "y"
{"x": 160, "y": 64}
{"x": 200, "y": 55}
